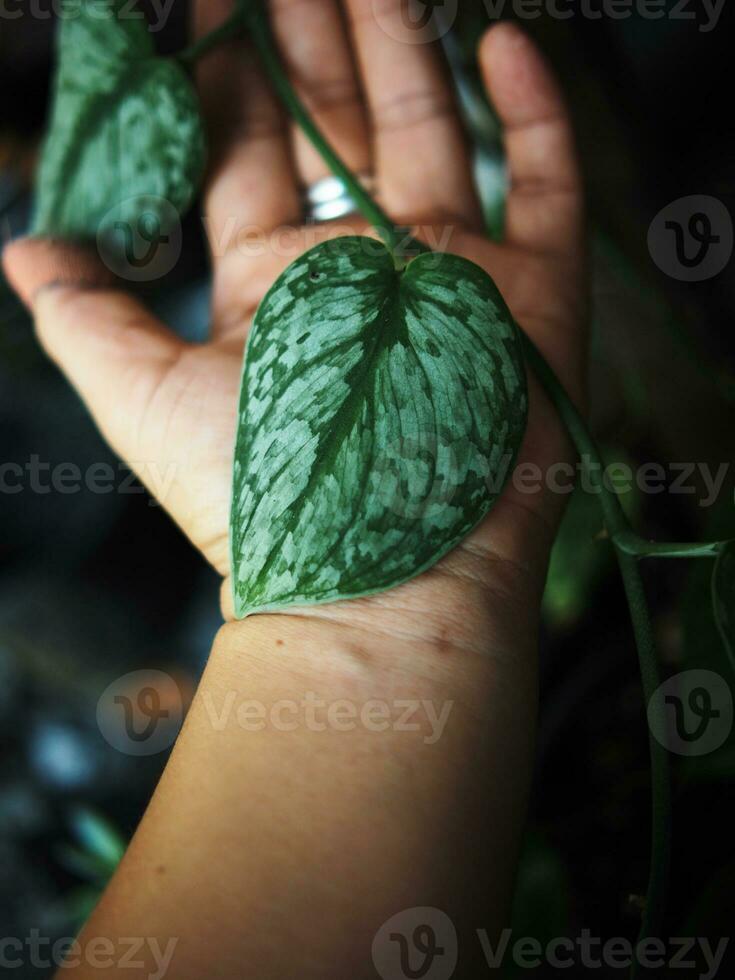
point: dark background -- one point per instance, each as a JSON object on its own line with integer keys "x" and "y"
{"x": 93, "y": 586}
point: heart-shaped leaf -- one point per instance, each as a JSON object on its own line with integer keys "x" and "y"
{"x": 125, "y": 127}
{"x": 380, "y": 414}
{"x": 723, "y": 596}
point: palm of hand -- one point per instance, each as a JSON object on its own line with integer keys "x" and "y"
{"x": 170, "y": 408}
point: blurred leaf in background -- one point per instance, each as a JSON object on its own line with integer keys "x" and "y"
{"x": 94, "y": 856}
{"x": 582, "y": 557}
{"x": 711, "y": 911}
{"x": 112, "y": 92}
{"x": 542, "y": 898}
{"x": 723, "y": 598}
{"x": 704, "y": 645}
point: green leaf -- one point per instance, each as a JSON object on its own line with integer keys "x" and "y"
{"x": 380, "y": 414}
{"x": 125, "y": 137}
{"x": 542, "y": 896}
{"x": 711, "y": 912}
{"x": 78, "y": 905}
{"x": 580, "y": 560}
{"x": 81, "y": 863}
{"x": 98, "y": 837}
{"x": 702, "y": 642}
{"x": 723, "y": 597}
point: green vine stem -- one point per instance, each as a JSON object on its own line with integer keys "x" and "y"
{"x": 230, "y": 28}
{"x": 619, "y": 530}
{"x": 395, "y": 238}
{"x": 251, "y": 15}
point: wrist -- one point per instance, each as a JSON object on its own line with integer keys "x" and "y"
{"x": 331, "y": 683}
{"x": 435, "y": 631}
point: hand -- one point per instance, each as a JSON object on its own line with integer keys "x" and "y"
{"x": 169, "y": 408}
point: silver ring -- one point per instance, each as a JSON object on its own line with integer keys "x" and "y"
{"x": 328, "y": 198}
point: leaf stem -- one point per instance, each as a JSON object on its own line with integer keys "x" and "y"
{"x": 619, "y": 530}
{"x": 230, "y": 28}
{"x": 633, "y": 544}
{"x": 395, "y": 238}
{"x": 661, "y": 809}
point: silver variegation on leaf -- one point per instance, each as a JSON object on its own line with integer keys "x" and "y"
{"x": 380, "y": 414}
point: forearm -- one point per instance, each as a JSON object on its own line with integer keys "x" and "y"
{"x": 326, "y": 779}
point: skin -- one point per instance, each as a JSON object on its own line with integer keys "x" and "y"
{"x": 278, "y": 853}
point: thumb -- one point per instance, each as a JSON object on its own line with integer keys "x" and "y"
{"x": 112, "y": 350}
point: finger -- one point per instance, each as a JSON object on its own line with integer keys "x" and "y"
{"x": 316, "y": 53}
{"x": 544, "y": 207}
{"x": 112, "y": 350}
{"x": 421, "y": 156}
{"x": 251, "y": 188}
